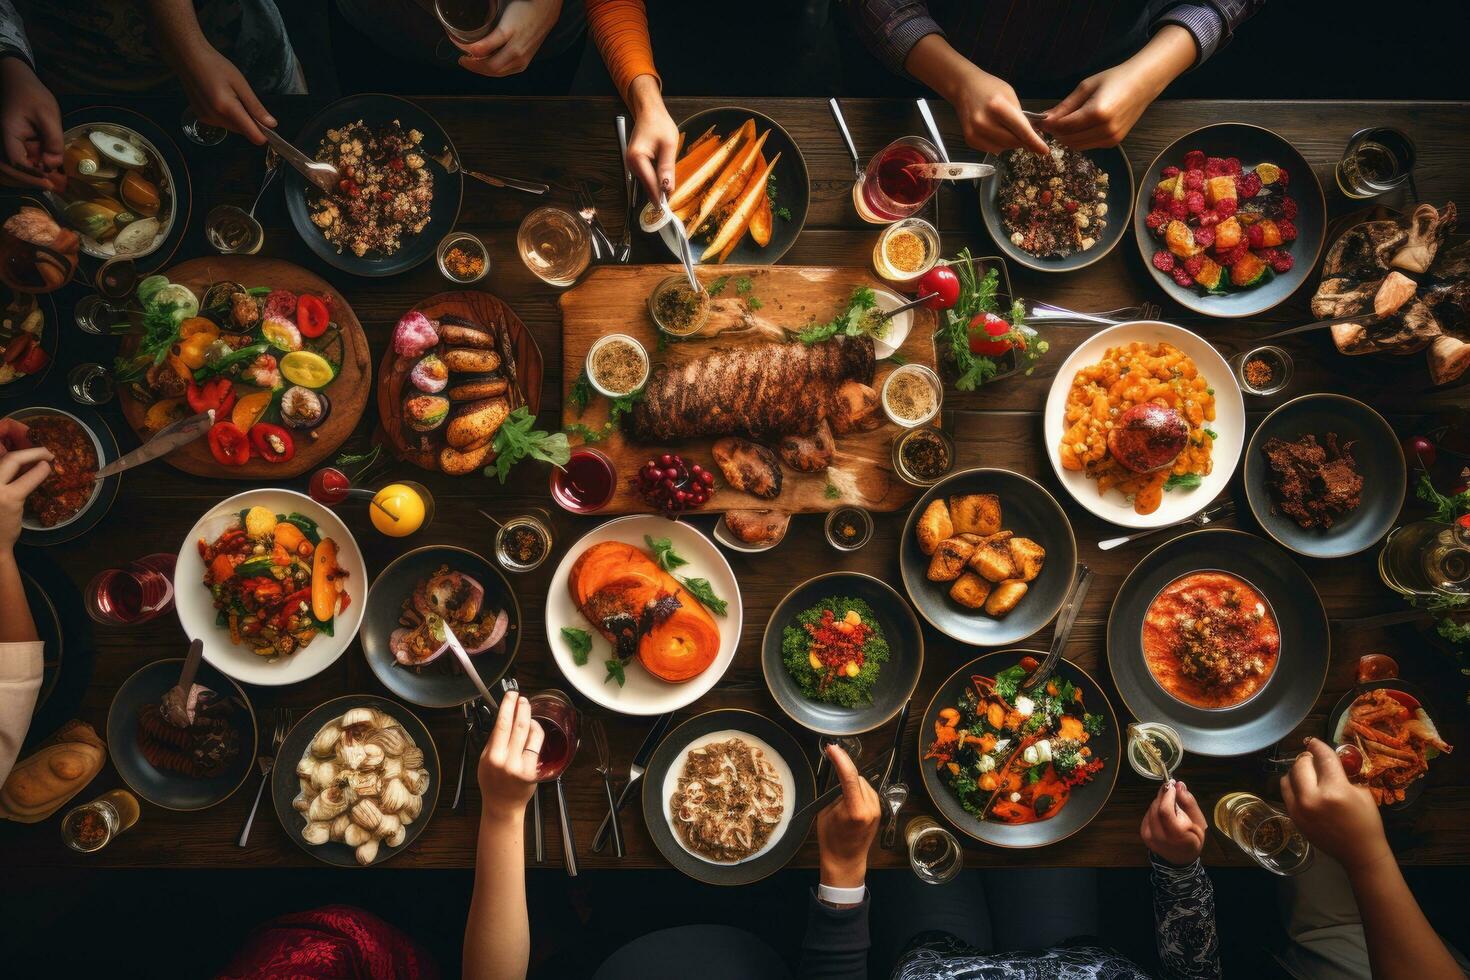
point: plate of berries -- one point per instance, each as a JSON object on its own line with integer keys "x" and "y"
{"x": 1230, "y": 220}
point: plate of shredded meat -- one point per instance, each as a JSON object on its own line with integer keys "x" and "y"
{"x": 720, "y": 793}
{"x": 1325, "y": 476}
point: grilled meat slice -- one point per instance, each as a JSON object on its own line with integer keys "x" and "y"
{"x": 763, "y": 391}
{"x": 811, "y": 452}
{"x": 757, "y": 526}
{"x": 854, "y": 408}
{"x": 748, "y": 466}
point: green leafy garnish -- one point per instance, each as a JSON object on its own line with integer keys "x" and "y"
{"x": 1094, "y": 724}
{"x": 668, "y": 559}
{"x": 743, "y": 285}
{"x": 1214, "y": 436}
{"x": 1446, "y": 509}
{"x": 616, "y": 409}
{"x": 895, "y": 359}
{"x": 978, "y": 295}
{"x": 663, "y": 552}
{"x": 1008, "y": 682}
{"x": 718, "y": 286}
{"x": 580, "y": 642}
{"x": 848, "y": 323}
{"x": 581, "y": 392}
{"x": 516, "y": 440}
{"x": 615, "y": 672}
{"x": 830, "y": 491}
{"x": 754, "y": 302}
{"x": 838, "y": 688}
{"x": 701, "y": 590}
{"x": 1183, "y": 481}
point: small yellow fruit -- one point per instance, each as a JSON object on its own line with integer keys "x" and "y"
{"x": 397, "y": 510}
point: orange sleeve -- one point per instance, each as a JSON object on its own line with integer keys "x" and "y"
{"x": 620, "y": 31}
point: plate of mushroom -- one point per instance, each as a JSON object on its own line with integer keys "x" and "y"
{"x": 364, "y": 782}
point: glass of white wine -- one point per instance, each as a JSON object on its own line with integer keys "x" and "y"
{"x": 555, "y": 245}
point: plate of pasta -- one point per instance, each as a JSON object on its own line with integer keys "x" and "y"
{"x": 1144, "y": 424}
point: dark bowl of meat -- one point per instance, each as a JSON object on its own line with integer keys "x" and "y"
{"x": 189, "y": 767}
{"x": 409, "y": 605}
{"x": 1220, "y": 634}
{"x": 1058, "y": 212}
{"x": 69, "y": 502}
{"x": 1325, "y": 476}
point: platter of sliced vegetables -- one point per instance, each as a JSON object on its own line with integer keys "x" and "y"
{"x": 272, "y": 348}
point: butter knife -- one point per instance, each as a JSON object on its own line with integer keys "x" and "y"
{"x": 167, "y": 439}
{"x": 1318, "y": 325}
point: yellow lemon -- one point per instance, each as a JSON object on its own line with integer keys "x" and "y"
{"x": 400, "y": 501}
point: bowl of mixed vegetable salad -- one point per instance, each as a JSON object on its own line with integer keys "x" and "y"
{"x": 273, "y": 583}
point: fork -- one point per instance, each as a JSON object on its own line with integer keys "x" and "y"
{"x": 604, "y": 769}
{"x": 587, "y": 208}
{"x": 1204, "y": 518}
{"x": 1047, "y": 312}
{"x": 266, "y": 763}
{"x": 467, "y": 710}
{"x": 449, "y": 160}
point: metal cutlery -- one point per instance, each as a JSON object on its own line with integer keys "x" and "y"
{"x": 1049, "y": 313}
{"x": 892, "y": 767}
{"x": 323, "y": 175}
{"x": 686, "y": 250}
{"x": 635, "y": 773}
{"x": 933, "y": 128}
{"x": 894, "y": 796}
{"x": 951, "y": 171}
{"x": 467, "y": 711}
{"x": 602, "y": 245}
{"x": 449, "y": 160}
{"x": 604, "y": 769}
{"x": 630, "y": 195}
{"x": 857, "y": 163}
{"x": 167, "y": 439}
{"x": 266, "y": 763}
{"x": 1062, "y": 632}
{"x": 1319, "y": 325}
{"x": 457, "y": 648}
{"x": 828, "y": 795}
{"x": 1204, "y": 518}
{"x": 175, "y": 706}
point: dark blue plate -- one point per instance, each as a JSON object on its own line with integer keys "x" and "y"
{"x": 1113, "y": 162}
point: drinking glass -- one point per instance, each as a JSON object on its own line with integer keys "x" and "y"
{"x": 201, "y": 133}
{"x": 887, "y": 191}
{"x": 1154, "y": 749}
{"x": 560, "y": 720}
{"x": 467, "y": 21}
{"x": 95, "y": 315}
{"x": 92, "y": 826}
{"x": 116, "y": 277}
{"x": 934, "y": 853}
{"x": 90, "y": 384}
{"x": 1275, "y": 360}
{"x": 1427, "y": 559}
{"x": 523, "y": 543}
{"x": 233, "y": 231}
{"x": 1268, "y": 836}
{"x": 555, "y": 245}
{"x": 141, "y": 591}
{"x": 1376, "y": 161}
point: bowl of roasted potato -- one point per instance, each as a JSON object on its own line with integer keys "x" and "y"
{"x": 987, "y": 556}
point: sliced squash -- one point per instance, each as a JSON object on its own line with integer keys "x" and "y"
{"x": 324, "y": 578}
{"x": 249, "y": 408}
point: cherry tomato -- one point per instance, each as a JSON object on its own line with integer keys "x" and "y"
{"x": 1420, "y": 452}
{"x": 942, "y": 281}
{"x": 988, "y": 325}
{"x": 273, "y": 443}
{"x": 1352, "y": 759}
{"x": 228, "y": 444}
{"x": 1376, "y": 667}
{"x": 311, "y": 316}
{"x": 216, "y": 393}
{"x": 33, "y": 360}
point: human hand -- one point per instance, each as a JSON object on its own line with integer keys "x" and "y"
{"x": 653, "y": 145}
{"x": 507, "y": 771}
{"x": 990, "y": 113}
{"x": 1174, "y": 828}
{"x": 846, "y": 827}
{"x": 30, "y": 124}
{"x": 21, "y": 472}
{"x": 509, "y": 48}
{"x": 1103, "y": 108}
{"x": 13, "y": 435}
{"x": 1338, "y": 817}
{"x": 219, "y": 94}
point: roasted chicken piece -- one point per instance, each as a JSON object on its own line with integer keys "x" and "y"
{"x": 809, "y": 453}
{"x": 975, "y": 513}
{"x": 950, "y": 558}
{"x": 1148, "y": 437}
{"x": 748, "y": 466}
{"x": 934, "y": 525}
{"x": 757, "y": 526}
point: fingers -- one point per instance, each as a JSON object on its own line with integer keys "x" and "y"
{"x": 498, "y": 744}
{"x": 1303, "y": 775}
{"x": 32, "y": 478}
{"x": 48, "y": 122}
{"x": 667, "y": 154}
{"x": 16, "y": 177}
{"x": 1020, "y": 127}
{"x": 1190, "y": 805}
{"x": 1074, "y": 100}
{"x": 13, "y": 434}
{"x": 1325, "y": 762}
{"x": 252, "y": 104}
{"x": 847, "y": 775}
{"x": 13, "y": 463}
{"x": 520, "y": 729}
{"x": 642, "y": 166}
{"x": 535, "y": 738}
{"x": 486, "y": 46}
{"x": 236, "y": 117}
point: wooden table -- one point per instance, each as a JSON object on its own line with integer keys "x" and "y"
{"x": 996, "y": 426}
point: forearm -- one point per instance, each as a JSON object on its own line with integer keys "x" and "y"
{"x": 497, "y": 937}
{"x": 16, "y": 626}
{"x": 619, "y": 28}
{"x": 176, "y": 28}
{"x": 1401, "y": 942}
{"x": 938, "y": 65}
{"x": 13, "y": 34}
{"x": 644, "y": 95}
{"x": 1167, "y": 55}
{"x": 1211, "y": 24}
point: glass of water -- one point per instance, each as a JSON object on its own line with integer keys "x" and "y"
{"x": 934, "y": 853}
{"x": 1268, "y": 836}
{"x": 90, "y": 384}
{"x": 1375, "y": 162}
{"x": 201, "y": 132}
{"x": 95, "y": 315}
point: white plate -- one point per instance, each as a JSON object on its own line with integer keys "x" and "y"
{"x": 783, "y": 770}
{"x": 643, "y": 694}
{"x": 1229, "y": 424}
{"x": 196, "y": 607}
{"x": 723, "y": 535}
{"x": 898, "y": 327}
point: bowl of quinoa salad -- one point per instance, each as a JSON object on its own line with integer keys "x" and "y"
{"x": 394, "y": 201}
{"x": 1060, "y": 211}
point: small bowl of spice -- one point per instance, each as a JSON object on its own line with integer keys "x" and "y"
{"x": 849, "y": 528}
{"x": 912, "y": 395}
{"x": 1262, "y": 370}
{"x": 906, "y": 250}
{"x": 617, "y": 365}
{"x": 463, "y": 258}
{"x": 923, "y": 456}
{"x": 678, "y": 310}
{"x": 522, "y": 543}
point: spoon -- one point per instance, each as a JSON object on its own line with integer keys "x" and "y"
{"x": 950, "y": 171}
{"x": 175, "y": 704}
{"x": 910, "y": 305}
{"x": 226, "y": 216}
{"x": 323, "y": 176}
{"x": 894, "y": 797}
{"x": 686, "y": 251}
{"x": 857, "y": 164}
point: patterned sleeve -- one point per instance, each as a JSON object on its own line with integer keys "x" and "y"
{"x": 1184, "y": 921}
{"x": 1212, "y": 23}
{"x": 891, "y": 28}
{"x": 13, "y": 34}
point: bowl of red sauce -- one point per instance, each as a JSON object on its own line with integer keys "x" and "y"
{"x": 587, "y": 482}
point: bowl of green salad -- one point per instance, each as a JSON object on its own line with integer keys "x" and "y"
{"x": 842, "y": 653}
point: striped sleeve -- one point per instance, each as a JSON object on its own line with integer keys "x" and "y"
{"x": 1211, "y": 23}
{"x": 891, "y": 28}
{"x": 13, "y": 34}
{"x": 620, "y": 30}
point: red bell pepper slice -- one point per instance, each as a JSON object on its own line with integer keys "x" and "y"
{"x": 228, "y": 444}
{"x": 273, "y": 443}
{"x": 216, "y": 393}
{"x": 33, "y": 360}
{"x": 312, "y": 317}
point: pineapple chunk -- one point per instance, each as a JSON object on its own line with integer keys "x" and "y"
{"x": 1269, "y": 173}
{"x": 259, "y": 521}
{"x": 1219, "y": 188}
{"x": 1209, "y": 274}
{"x": 1249, "y": 271}
{"x": 1228, "y": 233}
{"x": 1180, "y": 240}
{"x": 1168, "y": 184}
{"x": 1271, "y": 233}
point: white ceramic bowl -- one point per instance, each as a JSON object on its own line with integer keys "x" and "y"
{"x": 1229, "y": 424}
{"x": 27, "y": 521}
{"x": 898, "y": 327}
{"x": 196, "y": 607}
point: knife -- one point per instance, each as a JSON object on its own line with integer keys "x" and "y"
{"x": 1317, "y": 325}
{"x": 457, "y": 649}
{"x": 168, "y": 438}
{"x": 635, "y": 773}
{"x": 1062, "y": 632}
{"x": 892, "y": 767}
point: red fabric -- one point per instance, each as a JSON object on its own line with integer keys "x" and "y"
{"x": 330, "y": 942}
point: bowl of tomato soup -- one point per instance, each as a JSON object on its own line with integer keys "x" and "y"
{"x": 1210, "y": 639}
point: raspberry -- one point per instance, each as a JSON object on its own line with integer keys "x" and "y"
{"x": 1162, "y": 199}
{"x": 1157, "y": 219}
{"x": 1194, "y": 201}
{"x": 1288, "y": 208}
{"x": 1226, "y": 207}
{"x": 1256, "y": 235}
{"x": 1168, "y": 172}
{"x": 1247, "y": 185}
{"x": 1182, "y": 277}
{"x": 1178, "y": 210}
{"x": 1282, "y": 178}
{"x": 1164, "y": 260}
{"x": 1235, "y": 254}
{"x": 1204, "y": 237}
{"x": 1194, "y": 160}
{"x": 1288, "y": 230}
{"x": 1193, "y": 264}
{"x": 1214, "y": 167}
{"x": 1194, "y": 180}
{"x": 1209, "y": 219}
{"x": 1232, "y": 166}
{"x": 1281, "y": 262}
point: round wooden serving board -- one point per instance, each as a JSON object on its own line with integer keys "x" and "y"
{"x": 348, "y": 391}
{"x": 492, "y": 314}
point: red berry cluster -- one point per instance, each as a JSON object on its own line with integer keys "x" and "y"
{"x": 671, "y": 484}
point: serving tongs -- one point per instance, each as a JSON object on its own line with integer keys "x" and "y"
{"x": 686, "y": 250}
{"x": 323, "y": 176}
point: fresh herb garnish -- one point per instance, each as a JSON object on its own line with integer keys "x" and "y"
{"x": 743, "y": 285}
{"x": 663, "y": 552}
{"x": 617, "y": 408}
{"x": 1183, "y": 481}
{"x": 581, "y": 392}
{"x": 1214, "y": 436}
{"x": 754, "y": 302}
{"x": 848, "y": 323}
{"x": 160, "y": 331}
{"x": 668, "y": 559}
{"x": 894, "y": 359}
{"x": 1008, "y": 682}
{"x": 978, "y": 295}
{"x": 778, "y": 210}
{"x": 718, "y": 286}
{"x": 701, "y": 590}
{"x": 580, "y": 643}
{"x": 516, "y": 440}
{"x": 615, "y": 672}
{"x": 830, "y": 491}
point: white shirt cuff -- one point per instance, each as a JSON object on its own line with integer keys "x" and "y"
{"x": 841, "y": 896}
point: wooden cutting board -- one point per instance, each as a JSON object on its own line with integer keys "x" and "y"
{"x": 348, "y": 391}
{"x": 614, "y": 299}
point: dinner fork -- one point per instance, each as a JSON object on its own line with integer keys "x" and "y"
{"x": 630, "y": 195}
{"x": 604, "y": 769}
{"x": 266, "y": 764}
{"x": 1049, "y": 313}
{"x": 587, "y": 208}
{"x": 449, "y": 160}
{"x": 1204, "y": 518}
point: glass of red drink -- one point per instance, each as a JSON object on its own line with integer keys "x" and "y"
{"x": 141, "y": 591}
{"x": 888, "y": 190}
{"x": 586, "y": 483}
{"x": 559, "y": 719}
{"x": 329, "y": 486}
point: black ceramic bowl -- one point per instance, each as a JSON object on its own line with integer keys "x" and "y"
{"x": 166, "y": 789}
{"x": 377, "y": 110}
{"x": 1085, "y": 802}
{"x": 793, "y": 186}
{"x": 285, "y": 784}
{"x": 1028, "y": 510}
{"x": 1374, "y": 447}
{"x": 1112, "y": 161}
{"x": 1252, "y": 145}
{"x": 1301, "y": 667}
{"x": 670, "y": 755}
{"x": 104, "y": 444}
{"x": 1414, "y": 790}
{"x": 441, "y": 684}
{"x": 896, "y": 679}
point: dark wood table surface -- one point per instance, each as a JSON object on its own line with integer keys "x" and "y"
{"x": 1000, "y": 425}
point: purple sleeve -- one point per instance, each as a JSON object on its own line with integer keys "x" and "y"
{"x": 1212, "y": 23}
{"x": 891, "y": 28}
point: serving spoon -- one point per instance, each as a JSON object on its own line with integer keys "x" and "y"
{"x": 323, "y": 176}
